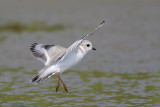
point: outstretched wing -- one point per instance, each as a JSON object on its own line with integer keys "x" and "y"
{"x": 76, "y": 44}
{"x": 45, "y": 53}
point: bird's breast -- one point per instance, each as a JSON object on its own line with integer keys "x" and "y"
{"x": 70, "y": 61}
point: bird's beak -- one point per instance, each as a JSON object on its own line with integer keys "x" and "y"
{"x": 93, "y": 48}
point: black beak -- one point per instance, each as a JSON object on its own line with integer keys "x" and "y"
{"x": 93, "y": 48}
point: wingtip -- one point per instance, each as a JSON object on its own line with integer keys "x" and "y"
{"x": 33, "y": 46}
{"x": 102, "y": 22}
{"x": 35, "y": 78}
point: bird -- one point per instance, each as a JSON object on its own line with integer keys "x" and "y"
{"x": 57, "y": 59}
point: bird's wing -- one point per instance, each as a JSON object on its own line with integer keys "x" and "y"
{"x": 56, "y": 53}
{"x": 73, "y": 48}
{"x": 45, "y": 53}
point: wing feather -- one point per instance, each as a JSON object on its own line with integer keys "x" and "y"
{"x": 76, "y": 44}
{"x": 45, "y": 53}
{"x": 38, "y": 52}
{"x": 53, "y": 54}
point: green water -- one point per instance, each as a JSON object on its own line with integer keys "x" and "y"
{"x": 89, "y": 88}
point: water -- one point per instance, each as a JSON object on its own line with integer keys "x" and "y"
{"x": 124, "y": 71}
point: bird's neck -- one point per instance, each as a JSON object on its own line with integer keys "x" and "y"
{"x": 82, "y": 50}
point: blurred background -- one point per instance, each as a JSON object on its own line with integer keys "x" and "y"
{"x": 124, "y": 71}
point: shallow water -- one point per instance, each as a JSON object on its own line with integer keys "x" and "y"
{"x": 124, "y": 71}
{"x": 93, "y": 88}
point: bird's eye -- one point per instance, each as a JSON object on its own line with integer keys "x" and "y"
{"x": 88, "y": 45}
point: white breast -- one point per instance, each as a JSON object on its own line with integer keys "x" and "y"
{"x": 72, "y": 60}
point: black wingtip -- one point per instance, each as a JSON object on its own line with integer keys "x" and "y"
{"x": 33, "y": 46}
{"x": 35, "y": 78}
{"x": 102, "y": 22}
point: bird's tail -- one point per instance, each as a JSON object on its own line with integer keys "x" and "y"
{"x": 43, "y": 74}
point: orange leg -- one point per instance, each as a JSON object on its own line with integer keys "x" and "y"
{"x": 64, "y": 85}
{"x": 58, "y": 83}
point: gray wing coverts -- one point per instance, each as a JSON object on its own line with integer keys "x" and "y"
{"x": 47, "y": 53}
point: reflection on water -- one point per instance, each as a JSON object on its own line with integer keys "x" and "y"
{"x": 124, "y": 71}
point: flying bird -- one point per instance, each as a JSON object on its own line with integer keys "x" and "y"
{"x": 58, "y": 59}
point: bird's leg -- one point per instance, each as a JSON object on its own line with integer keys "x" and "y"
{"x": 58, "y": 82}
{"x": 64, "y": 85}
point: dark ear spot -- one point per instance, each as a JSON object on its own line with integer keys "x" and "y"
{"x": 88, "y": 45}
